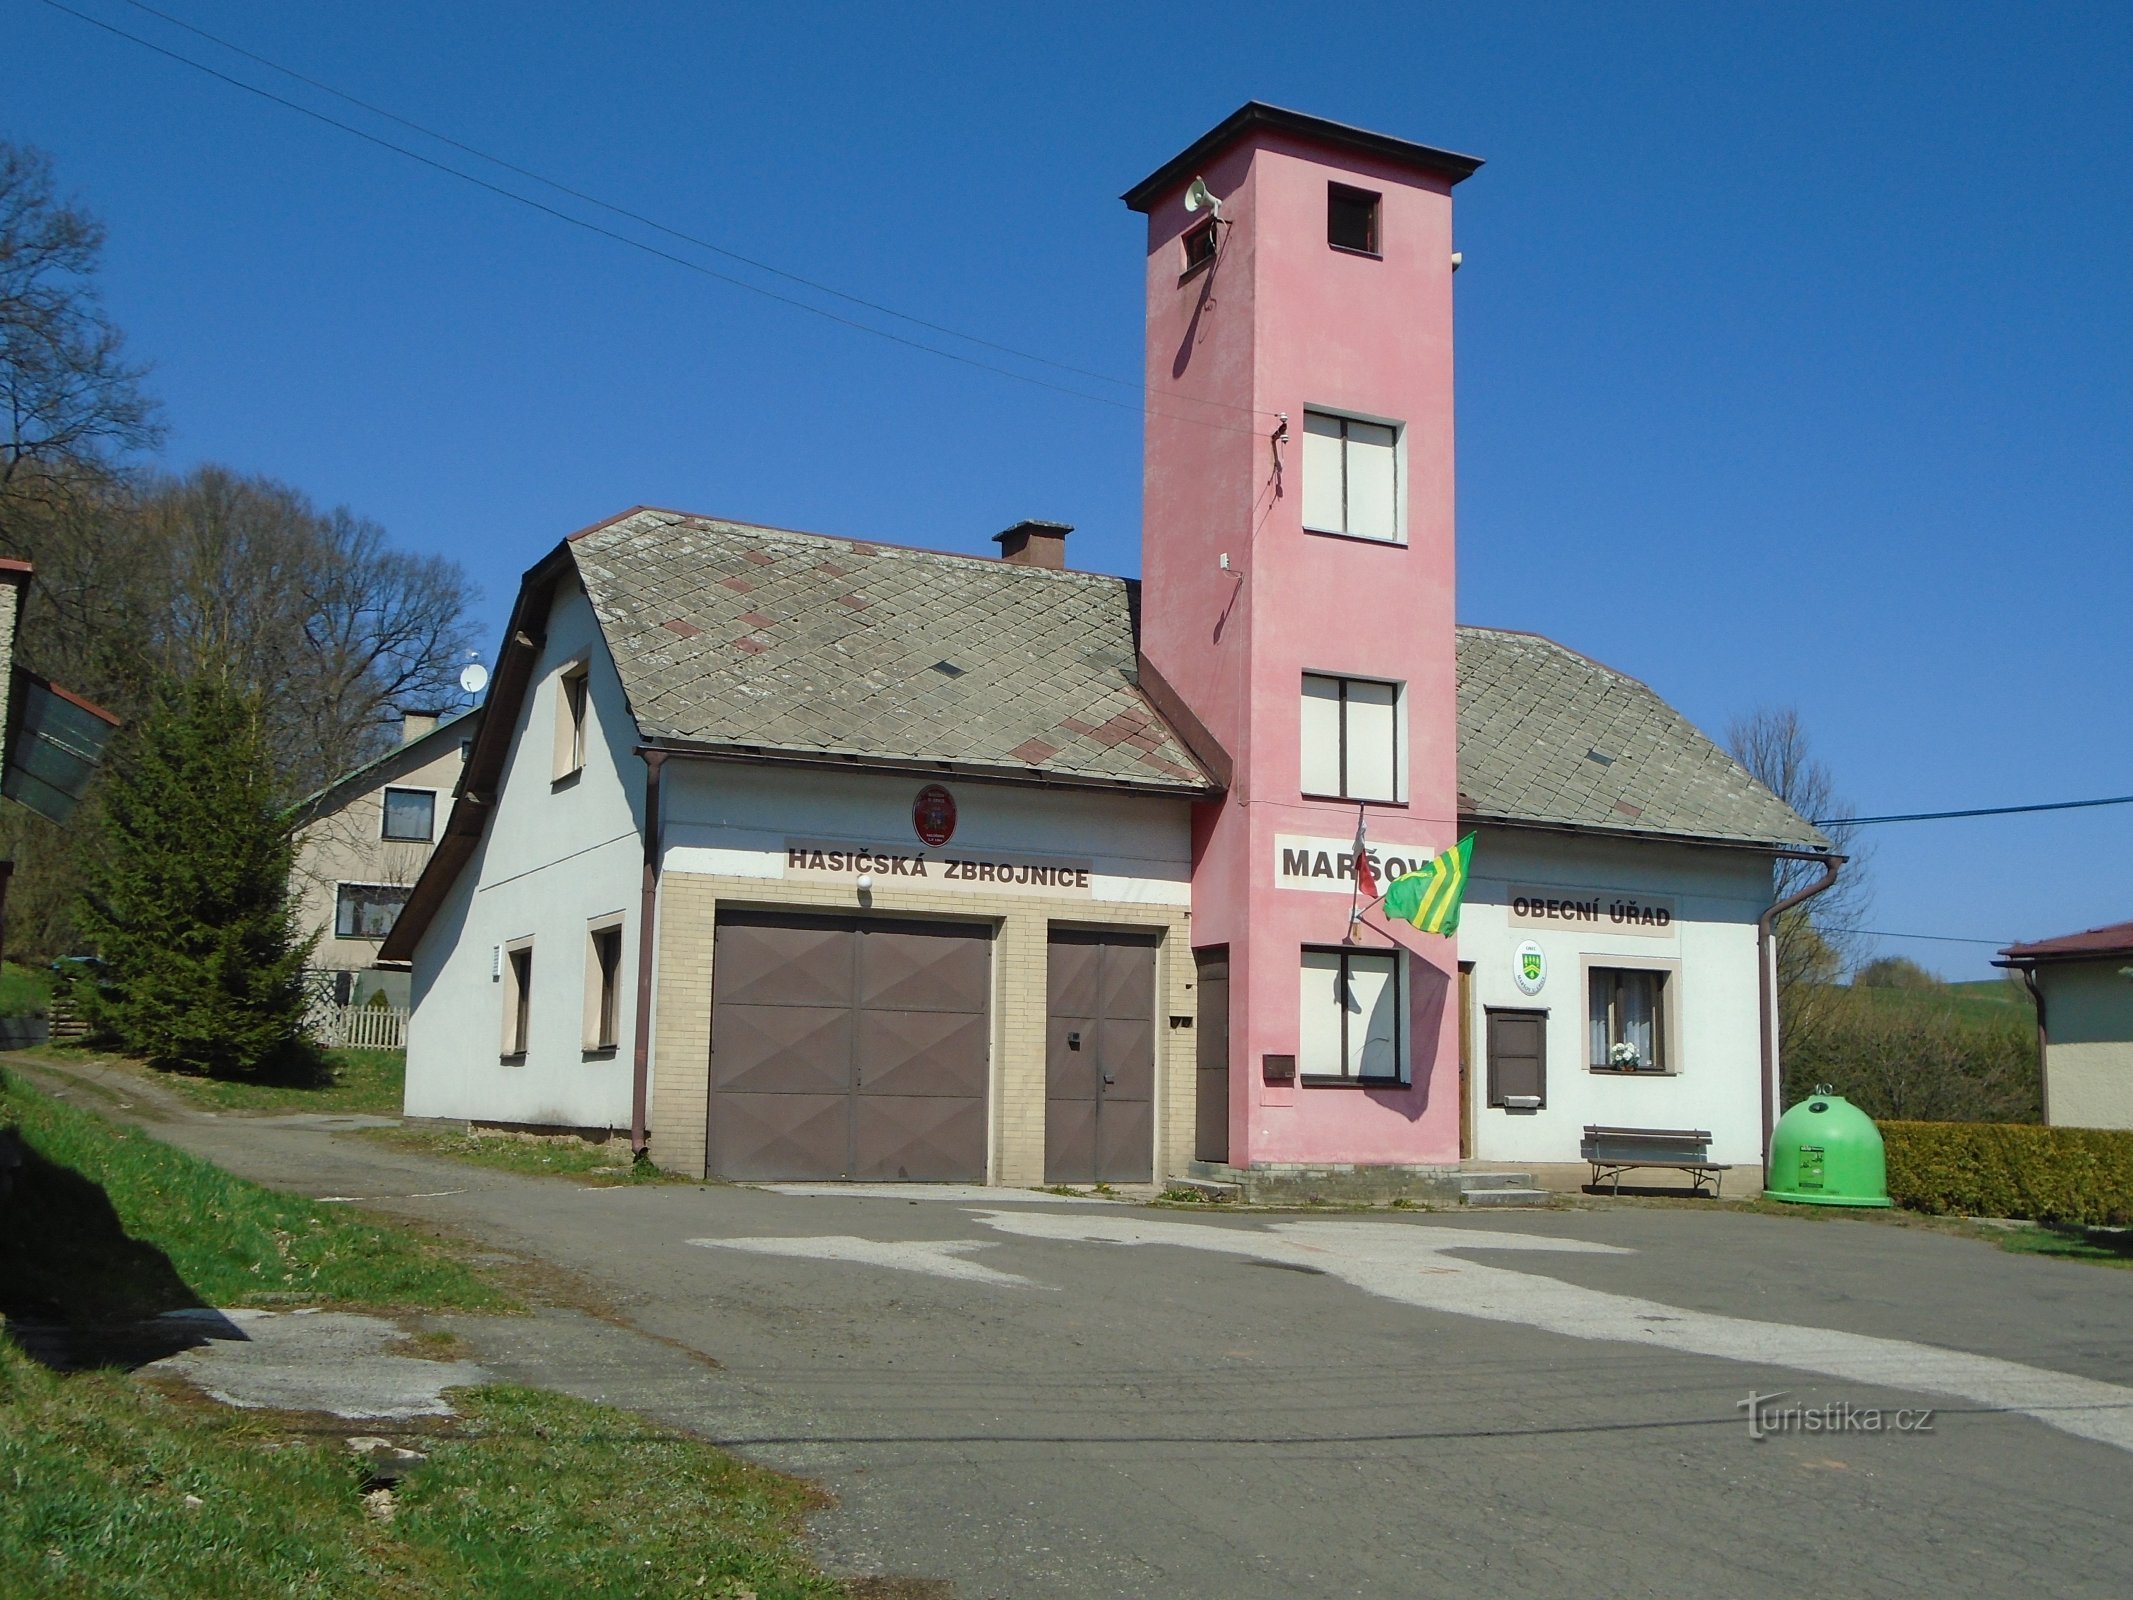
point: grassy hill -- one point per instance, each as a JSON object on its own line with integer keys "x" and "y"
{"x": 1942, "y": 1052}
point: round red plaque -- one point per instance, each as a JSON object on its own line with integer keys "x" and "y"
{"x": 933, "y": 815}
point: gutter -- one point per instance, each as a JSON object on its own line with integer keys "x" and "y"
{"x": 1766, "y": 981}
{"x": 640, "y": 1069}
{"x": 2027, "y": 971}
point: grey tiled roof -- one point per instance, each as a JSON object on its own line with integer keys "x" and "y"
{"x": 1532, "y": 712}
{"x": 759, "y": 638}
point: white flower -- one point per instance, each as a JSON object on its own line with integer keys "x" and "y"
{"x": 1624, "y": 1055}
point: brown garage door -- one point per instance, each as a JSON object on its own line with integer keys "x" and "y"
{"x": 847, "y": 1047}
{"x": 1099, "y": 1059}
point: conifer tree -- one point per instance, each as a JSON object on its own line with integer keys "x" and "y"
{"x": 186, "y": 893}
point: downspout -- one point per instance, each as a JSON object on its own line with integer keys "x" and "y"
{"x": 640, "y": 1070}
{"x": 1766, "y": 981}
{"x": 2044, "y": 1078}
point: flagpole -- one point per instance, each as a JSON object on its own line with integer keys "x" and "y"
{"x": 1355, "y": 878}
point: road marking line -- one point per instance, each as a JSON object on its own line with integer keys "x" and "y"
{"x": 937, "y": 1258}
{"x": 1407, "y": 1264}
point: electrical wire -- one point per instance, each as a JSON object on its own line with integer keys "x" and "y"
{"x": 653, "y": 222}
{"x": 1976, "y": 811}
{"x": 1936, "y": 938}
{"x": 637, "y": 244}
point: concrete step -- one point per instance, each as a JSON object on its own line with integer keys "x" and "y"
{"x": 1213, "y": 1188}
{"x": 1505, "y": 1196}
{"x": 1468, "y": 1182}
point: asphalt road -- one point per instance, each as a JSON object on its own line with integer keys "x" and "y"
{"x": 1087, "y": 1399}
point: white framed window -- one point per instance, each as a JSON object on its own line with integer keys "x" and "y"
{"x": 518, "y": 998}
{"x": 1354, "y": 738}
{"x": 410, "y": 816}
{"x": 1631, "y": 1016}
{"x": 1349, "y": 1016}
{"x": 366, "y": 910}
{"x": 572, "y": 692}
{"x": 603, "y": 983}
{"x": 1351, "y": 477}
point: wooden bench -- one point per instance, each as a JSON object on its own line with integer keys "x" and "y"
{"x": 1614, "y": 1151}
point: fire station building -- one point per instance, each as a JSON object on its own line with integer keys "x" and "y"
{"x": 812, "y": 857}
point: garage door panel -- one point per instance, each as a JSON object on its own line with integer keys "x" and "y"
{"x": 1128, "y": 984}
{"x": 1069, "y": 1140}
{"x": 1127, "y": 1051}
{"x": 1074, "y": 973}
{"x": 765, "y": 1137}
{"x": 943, "y": 969}
{"x": 1100, "y": 1057}
{"x": 922, "y": 1053}
{"x": 845, "y": 1047}
{"x": 920, "y": 1138}
{"x": 1125, "y": 1141}
{"x": 765, "y": 961}
{"x": 782, "y": 1049}
{"x": 1070, "y": 1071}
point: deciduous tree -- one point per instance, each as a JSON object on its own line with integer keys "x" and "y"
{"x": 1819, "y": 941}
{"x": 71, "y": 404}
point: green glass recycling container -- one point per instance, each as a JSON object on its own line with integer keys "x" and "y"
{"x": 1827, "y": 1152}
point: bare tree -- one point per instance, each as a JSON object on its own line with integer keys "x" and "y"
{"x": 71, "y": 405}
{"x": 312, "y": 608}
{"x": 1819, "y": 942}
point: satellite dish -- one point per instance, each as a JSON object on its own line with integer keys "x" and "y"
{"x": 1198, "y": 197}
{"x": 474, "y": 677}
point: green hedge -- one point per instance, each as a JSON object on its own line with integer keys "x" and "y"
{"x": 1999, "y": 1169}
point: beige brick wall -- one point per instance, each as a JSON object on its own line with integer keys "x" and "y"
{"x": 681, "y": 1032}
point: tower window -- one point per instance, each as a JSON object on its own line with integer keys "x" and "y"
{"x": 1351, "y": 476}
{"x": 1351, "y": 219}
{"x": 1200, "y": 246}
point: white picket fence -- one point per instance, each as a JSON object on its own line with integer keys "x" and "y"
{"x": 360, "y": 1027}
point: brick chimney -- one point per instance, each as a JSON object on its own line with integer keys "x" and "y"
{"x": 1035, "y": 544}
{"x": 414, "y": 724}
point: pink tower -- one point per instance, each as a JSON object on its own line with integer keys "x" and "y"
{"x": 1297, "y": 570}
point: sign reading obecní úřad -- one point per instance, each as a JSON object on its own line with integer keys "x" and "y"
{"x": 1592, "y": 910}
{"x": 951, "y": 870}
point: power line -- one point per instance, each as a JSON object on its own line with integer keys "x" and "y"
{"x": 638, "y": 244}
{"x": 1936, "y": 938}
{"x": 1977, "y": 811}
{"x": 652, "y": 222}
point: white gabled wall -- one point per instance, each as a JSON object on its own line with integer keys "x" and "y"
{"x": 555, "y": 856}
{"x": 1717, "y": 894}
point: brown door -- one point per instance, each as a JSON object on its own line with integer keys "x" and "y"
{"x": 844, "y": 1047}
{"x": 1518, "y": 1055}
{"x": 1211, "y": 1079}
{"x": 1099, "y": 1066}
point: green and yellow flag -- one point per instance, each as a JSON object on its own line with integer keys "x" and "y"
{"x": 1429, "y": 896}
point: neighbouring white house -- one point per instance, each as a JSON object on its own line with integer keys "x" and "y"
{"x": 2082, "y": 985}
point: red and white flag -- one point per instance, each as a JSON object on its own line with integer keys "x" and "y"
{"x": 1366, "y": 881}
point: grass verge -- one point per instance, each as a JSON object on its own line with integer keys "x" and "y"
{"x": 607, "y": 1163}
{"x": 119, "y": 1491}
{"x": 365, "y": 1081}
{"x": 107, "y": 1224}
{"x": 2104, "y": 1247}
{"x": 24, "y": 991}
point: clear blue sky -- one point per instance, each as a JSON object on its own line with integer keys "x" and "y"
{"x": 1794, "y": 340}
